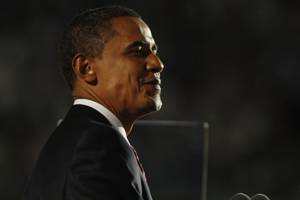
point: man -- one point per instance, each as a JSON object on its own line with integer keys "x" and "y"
{"x": 111, "y": 65}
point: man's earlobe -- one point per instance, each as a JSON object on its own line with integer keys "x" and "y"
{"x": 83, "y": 70}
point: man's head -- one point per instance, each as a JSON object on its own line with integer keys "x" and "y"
{"x": 87, "y": 33}
{"x": 110, "y": 57}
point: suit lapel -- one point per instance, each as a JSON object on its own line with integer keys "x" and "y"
{"x": 146, "y": 190}
{"x": 140, "y": 183}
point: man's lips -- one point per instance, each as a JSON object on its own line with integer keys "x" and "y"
{"x": 154, "y": 81}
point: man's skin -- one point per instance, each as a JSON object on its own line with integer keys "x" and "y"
{"x": 125, "y": 78}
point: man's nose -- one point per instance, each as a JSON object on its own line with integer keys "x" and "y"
{"x": 154, "y": 63}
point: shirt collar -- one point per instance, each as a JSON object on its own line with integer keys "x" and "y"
{"x": 115, "y": 122}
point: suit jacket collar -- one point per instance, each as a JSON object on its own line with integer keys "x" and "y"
{"x": 86, "y": 112}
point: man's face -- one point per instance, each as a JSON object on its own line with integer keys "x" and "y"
{"x": 128, "y": 71}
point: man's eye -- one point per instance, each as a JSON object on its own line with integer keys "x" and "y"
{"x": 141, "y": 51}
{"x": 140, "y": 48}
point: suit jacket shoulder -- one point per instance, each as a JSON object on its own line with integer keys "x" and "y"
{"x": 85, "y": 158}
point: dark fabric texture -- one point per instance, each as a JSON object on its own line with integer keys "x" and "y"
{"x": 86, "y": 159}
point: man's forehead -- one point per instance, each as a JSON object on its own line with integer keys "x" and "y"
{"x": 132, "y": 28}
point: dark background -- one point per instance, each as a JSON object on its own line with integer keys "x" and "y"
{"x": 232, "y": 63}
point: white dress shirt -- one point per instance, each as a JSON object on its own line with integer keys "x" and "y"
{"x": 116, "y": 123}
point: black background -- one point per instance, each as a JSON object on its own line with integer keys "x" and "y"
{"x": 232, "y": 63}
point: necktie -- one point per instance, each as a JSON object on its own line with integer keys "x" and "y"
{"x": 138, "y": 160}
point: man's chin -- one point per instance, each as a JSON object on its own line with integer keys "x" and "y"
{"x": 155, "y": 104}
{"x": 151, "y": 105}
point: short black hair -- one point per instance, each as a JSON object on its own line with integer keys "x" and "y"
{"x": 88, "y": 33}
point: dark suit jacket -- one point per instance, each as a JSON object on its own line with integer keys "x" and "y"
{"x": 86, "y": 159}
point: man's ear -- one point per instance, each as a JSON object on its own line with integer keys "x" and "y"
{"x": 83, "y": 69}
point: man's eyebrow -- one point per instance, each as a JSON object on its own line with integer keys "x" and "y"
{"x": 141, "y": 43}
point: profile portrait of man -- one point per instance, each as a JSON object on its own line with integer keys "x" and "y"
{"x": 111, "y": 64}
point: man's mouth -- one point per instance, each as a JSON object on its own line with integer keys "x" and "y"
{"x": 154, "y": 81}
